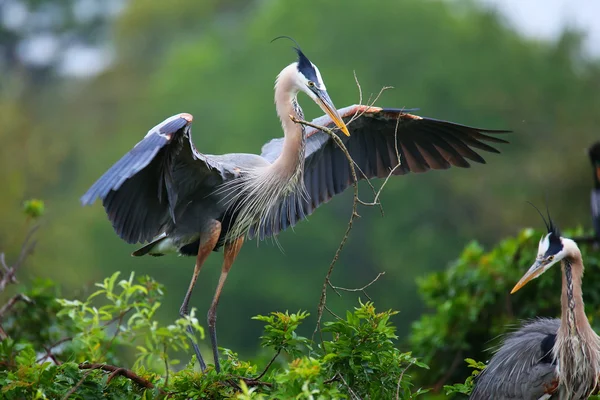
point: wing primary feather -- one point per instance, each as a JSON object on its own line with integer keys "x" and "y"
{"x": 130, "y": 164}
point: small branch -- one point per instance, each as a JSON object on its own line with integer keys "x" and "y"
{"x": 13, "y": 300}
{"x": 77, "y": 385}
{"x": 254, "y": 382}
{"x": 352, "y": 394}
{"x": 119, "y": 320}
{"x": 268, "y": 366}
{"x": 356, "y": 200}
{"x": 166, "y": 357}
{"x": 362, "y": 289}
{"x": 332, "y": 313}
{"x": 354, "y": 214}
{"x": 50, "y": 354}
{"x": 124, "y": 372}
{"x": 400, "y": 380}
{"x": 118, "y": 317}
{"x": 335, "y": 378}
{"x": 9, "y": 273}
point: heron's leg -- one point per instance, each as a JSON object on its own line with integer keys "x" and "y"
{"x": 231, "y": 252}
{"x": 208, "y": 241}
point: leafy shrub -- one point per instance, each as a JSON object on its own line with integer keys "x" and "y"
{"x": 75, "y": 350}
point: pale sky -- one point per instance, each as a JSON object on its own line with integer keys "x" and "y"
{"x": 545, "y": 19}
{"x": 538, "y": 19}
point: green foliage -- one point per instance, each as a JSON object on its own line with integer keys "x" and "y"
{"x": 33, "y": 208}
{"x": 363, "y": 351}
{"x": 467, "y": 386}
{"x": 86, "y": 353}
{"x": 138, "y": 302}
{"x": 280, "y": 332}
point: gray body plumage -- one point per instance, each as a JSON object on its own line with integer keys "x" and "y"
{"x": 164, "y": 189}
{"x": 522, "y": 368}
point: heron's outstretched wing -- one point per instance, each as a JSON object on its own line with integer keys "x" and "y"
{"x": 523, "y": 367}
{"x": 140, "y": 191}
{"x": 379, "y": 139}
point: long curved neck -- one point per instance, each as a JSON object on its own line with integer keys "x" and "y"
{"x": 577, "y": 347}
{"x": 573, "y": 318}
{"x": 290, "y": 160}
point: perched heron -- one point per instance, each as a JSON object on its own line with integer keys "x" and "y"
{"x": 547, "y": 358}
{"x": 167, "y": 193}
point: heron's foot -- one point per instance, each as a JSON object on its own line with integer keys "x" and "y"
{"x": 212, "y": 331}
{"x": 183, "y": 312}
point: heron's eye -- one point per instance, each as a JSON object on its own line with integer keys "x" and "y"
{"x": 550, "y": 258}
{"x": 311, "y": 84}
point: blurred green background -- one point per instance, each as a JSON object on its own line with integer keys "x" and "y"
{"x": 454, "y": 60}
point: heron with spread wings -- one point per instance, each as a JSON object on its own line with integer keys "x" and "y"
{"x": 547, "y": 358}
{"x": 179, "y": 200}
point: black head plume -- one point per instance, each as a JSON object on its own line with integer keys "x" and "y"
{"x": 304, "y": 65}
{"x": 554, "y": 242}
{"x": 550, "y": 225}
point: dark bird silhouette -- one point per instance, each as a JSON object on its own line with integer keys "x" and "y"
{"x": 594, "y": 153}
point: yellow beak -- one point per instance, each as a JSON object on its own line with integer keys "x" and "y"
{"x": 535, "y": 271}
{"x": 327, "y": 106}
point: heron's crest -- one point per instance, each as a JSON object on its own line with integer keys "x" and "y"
{"x": 550, "y": 225}
{"x": 551, "y": 244}
{"x": 305, "y": 66}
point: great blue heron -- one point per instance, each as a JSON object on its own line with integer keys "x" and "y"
{"x": 547, "y": 358}
{"x": 167, "y": 193}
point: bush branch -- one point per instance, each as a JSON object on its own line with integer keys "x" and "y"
{"x": 361, "y": 289}
{"x": 124, "y": 372}
{"x": 9, "y": 273}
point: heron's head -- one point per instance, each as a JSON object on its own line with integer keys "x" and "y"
{"x": 309, "y": 81}
{"x": 306, "y": 78}
{"x": 552, "y": 249}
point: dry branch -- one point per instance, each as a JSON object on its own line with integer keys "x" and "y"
{"x": 124, "y": 372}
{"x": 361, "y": 289}
{"x": 354, "y": 214}
{"x": 356, "y": 200}
{"x": 9, "y": 273}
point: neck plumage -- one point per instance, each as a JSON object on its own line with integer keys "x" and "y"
{"x": 573, "y": 318}
{"x": 291, "y": 160}
{"x": 577, "y": 347}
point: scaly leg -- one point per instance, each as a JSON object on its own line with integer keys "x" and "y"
{"x": 231, "y": 252}
{"x": 208, "y": 241}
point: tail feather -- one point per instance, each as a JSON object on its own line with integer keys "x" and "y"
{"x": 147, "y": 249}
